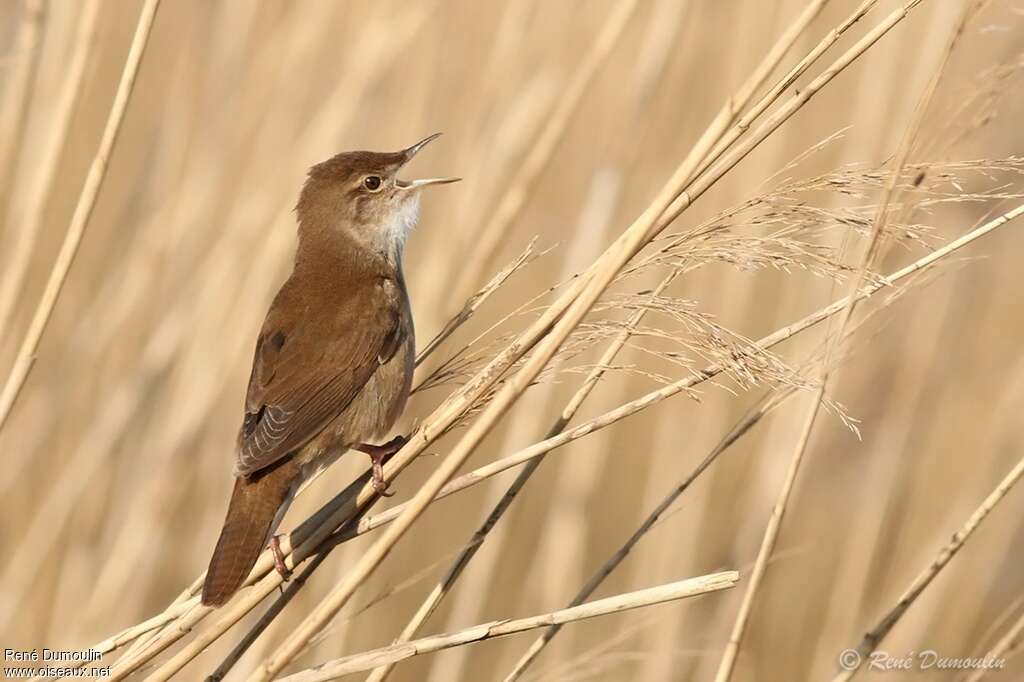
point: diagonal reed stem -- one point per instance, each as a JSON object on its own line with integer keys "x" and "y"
{"x": 747, "y": 422}
{"x": 29, "y": 216}
{"x": 881, "y": 629}
{"x": 434, "y": 598}
{"x": 83, "y": 211}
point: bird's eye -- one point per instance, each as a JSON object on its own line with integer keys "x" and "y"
{"x": 372, "y": 182}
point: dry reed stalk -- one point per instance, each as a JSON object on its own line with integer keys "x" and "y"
{"x": 474, "y": 302}
{"x": 1003, "y": 649}
{"x": 194, "y": 612}
{"x": 28, "y": 217}
{"x": 118, "y": 412}
{"x": 499, "y": 628}
{"x": 476, "y": 541}
{"x": 83, "y": 211}
{"x": 727, "y": 138}
{"x": 771, "y": 535}
{"x": 230, "y": 618}
{"x": 764, "y": 407}
{"x": 183, "y": 617}
{"x": 144, "y": 640}
{"x": 869, "y": 257}
{"x": 564, "y": 314}
{"x": 263, "y": 622}
{"x": 869, "y": 643}
{"x": 753, "y": 416}
{"x": 727, "y": 160}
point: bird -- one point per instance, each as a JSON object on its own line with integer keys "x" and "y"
{"x": 334, "y": 359}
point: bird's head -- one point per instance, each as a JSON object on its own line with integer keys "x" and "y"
{"x": 360, "y": 194}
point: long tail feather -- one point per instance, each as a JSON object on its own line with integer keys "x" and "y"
{"x": 251, "y": 515}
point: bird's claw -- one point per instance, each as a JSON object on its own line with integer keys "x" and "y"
{"x": 378, "y": 455}
{"x": 275, "y": 549}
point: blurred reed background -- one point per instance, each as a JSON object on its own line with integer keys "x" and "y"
{"x": 118, "y": 453}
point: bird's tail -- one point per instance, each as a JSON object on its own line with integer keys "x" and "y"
{"x": 252, "y": 513}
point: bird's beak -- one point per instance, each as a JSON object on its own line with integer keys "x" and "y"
{"x": 410, "y": 152}
{"x": 413, "y": 184}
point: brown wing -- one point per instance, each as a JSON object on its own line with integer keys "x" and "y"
{"x": 308, "y": 367}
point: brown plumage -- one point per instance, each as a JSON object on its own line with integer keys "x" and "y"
{"x": 334, "y": 359}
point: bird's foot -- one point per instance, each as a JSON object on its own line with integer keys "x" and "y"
{"x": 275, "y": 548}
{"x": 378, "y": 455}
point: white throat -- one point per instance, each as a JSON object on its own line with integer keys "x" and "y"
{"x": 402, "y": 223}
{"x": 389, "y": 238}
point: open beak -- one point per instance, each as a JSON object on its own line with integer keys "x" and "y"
{"x": 410, "y": 152}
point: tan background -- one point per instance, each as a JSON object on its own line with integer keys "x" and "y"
{"x": 118, "y": 455}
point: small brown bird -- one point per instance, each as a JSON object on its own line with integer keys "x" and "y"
{"x": 334, "y": 359}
